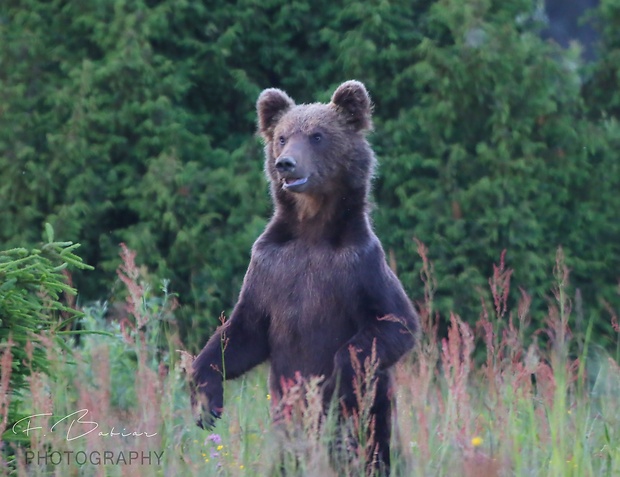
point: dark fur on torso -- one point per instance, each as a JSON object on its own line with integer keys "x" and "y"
{"x": 309, "y": 287}
{"x": 312, "y": 253}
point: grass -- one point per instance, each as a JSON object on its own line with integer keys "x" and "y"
{"x": 489, "y": 399}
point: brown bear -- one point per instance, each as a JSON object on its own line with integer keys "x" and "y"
{"x": 318, "y": 286}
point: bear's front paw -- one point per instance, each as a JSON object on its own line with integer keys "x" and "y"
{"x": 207, "y": 406}
{"x": 206, "y": 420}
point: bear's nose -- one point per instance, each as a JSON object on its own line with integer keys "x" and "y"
{"x": 285, "y": 164}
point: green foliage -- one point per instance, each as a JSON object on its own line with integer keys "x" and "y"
{"x": 123, "y": 152}
{"x": 32, "y": 286}
{"x": 601, "y": 91}
{"x": 132, "y": 121}
{"x": 124, "y": 344}
{"x": 496, "y": 155}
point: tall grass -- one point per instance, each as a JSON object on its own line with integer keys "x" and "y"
{"x": 490, "y": 398}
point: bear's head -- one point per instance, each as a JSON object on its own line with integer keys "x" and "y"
{"x": 317, "y": 150}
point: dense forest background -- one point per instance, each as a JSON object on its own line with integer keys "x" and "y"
{"x": 133, "y": 121}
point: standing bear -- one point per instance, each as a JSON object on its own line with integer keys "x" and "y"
{"x": 318, "y": 289}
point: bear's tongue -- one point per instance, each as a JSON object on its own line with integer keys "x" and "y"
{"x": 295, "y": 182}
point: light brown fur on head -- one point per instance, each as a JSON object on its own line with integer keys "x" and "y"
{"x": 350, "y": 100}
{"x": 327, "y": 146}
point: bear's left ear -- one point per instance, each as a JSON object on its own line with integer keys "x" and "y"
{"x": 271, "y": 106}
{"x": 352, "y": 100}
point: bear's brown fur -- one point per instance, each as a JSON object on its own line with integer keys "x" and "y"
{"x": 318, "y": 285}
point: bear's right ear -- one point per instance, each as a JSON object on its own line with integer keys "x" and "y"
{"x": 271, "y": 106}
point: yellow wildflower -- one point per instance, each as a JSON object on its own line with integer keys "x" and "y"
{"x": 476, "y": 441}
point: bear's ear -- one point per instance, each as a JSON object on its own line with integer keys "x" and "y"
{"x": 271, "y": 106}
{"x": 352, "y": 100}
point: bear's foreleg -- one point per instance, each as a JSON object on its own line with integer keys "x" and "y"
{"x": 235, "y": 348}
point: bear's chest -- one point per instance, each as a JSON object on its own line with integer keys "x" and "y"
{"x": 302, "y": 288}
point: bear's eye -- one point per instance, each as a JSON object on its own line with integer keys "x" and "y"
{"x": 282, "y": 141}
{"x": 316, "y": 137}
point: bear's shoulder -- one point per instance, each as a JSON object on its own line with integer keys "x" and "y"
{"x": 298, "y": 252}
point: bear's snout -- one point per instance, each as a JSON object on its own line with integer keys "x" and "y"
{"x": 293, "y": 177}
{"x": 285, "y": 164}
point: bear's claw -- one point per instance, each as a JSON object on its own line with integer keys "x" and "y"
{"x": 208, "y": 422}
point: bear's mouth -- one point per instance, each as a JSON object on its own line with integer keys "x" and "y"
{"x": 293, "y": 182}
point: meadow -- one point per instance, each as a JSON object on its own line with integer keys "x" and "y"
{"x": 479, "y": 397}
